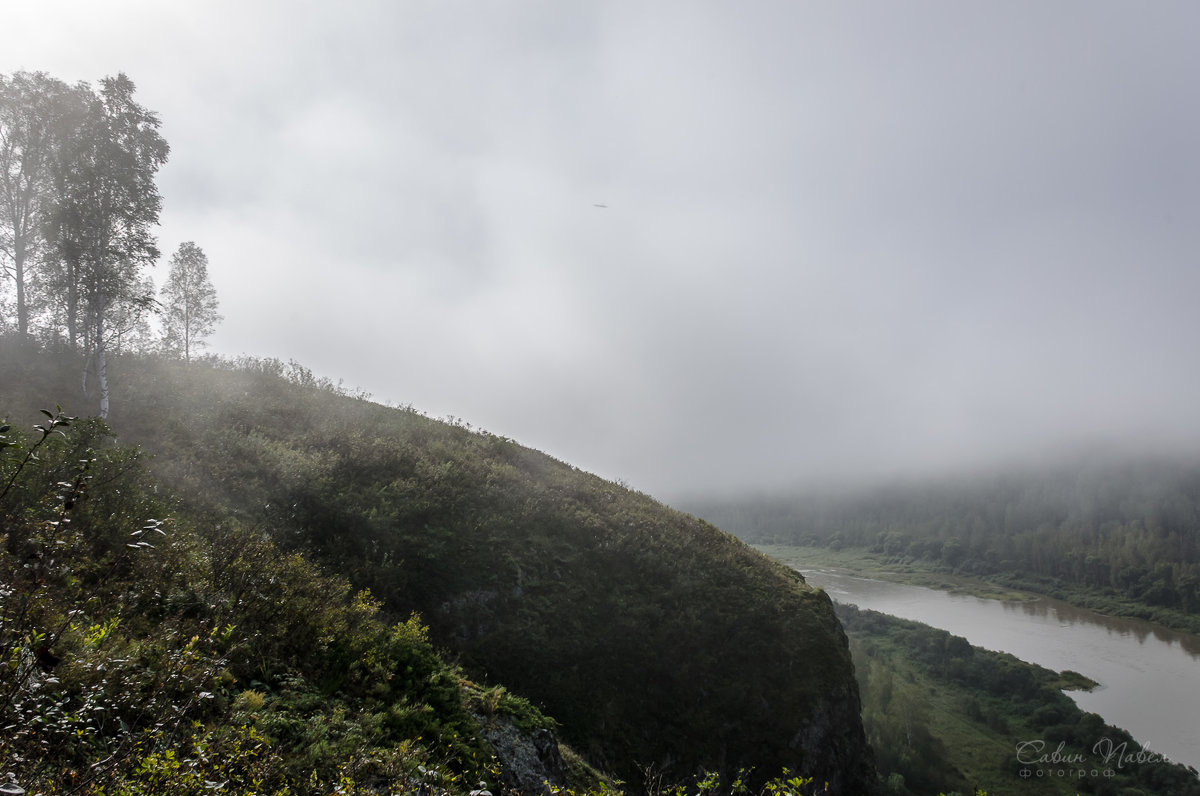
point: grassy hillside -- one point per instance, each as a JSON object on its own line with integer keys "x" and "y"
{"x": 658, "y": 642}
{"x": 143, "y": 654}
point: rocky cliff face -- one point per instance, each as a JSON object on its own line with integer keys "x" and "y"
{"x": 531, "y": 762}
{"x": 692, "y": 662}
{"x": 833, "y": 740}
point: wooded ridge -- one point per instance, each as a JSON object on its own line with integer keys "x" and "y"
{"x": 660, "y": 645}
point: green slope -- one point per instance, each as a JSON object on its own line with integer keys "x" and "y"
{"x": 143, "y": 654}
{"x": 659, "y": 642}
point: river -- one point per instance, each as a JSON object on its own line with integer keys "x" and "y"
{"x": 1149, "y": 675}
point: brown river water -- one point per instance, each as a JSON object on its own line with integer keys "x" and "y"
{"x": 1149, "y": 675}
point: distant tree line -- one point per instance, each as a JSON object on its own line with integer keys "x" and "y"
{"x": 78, "y": 206}
{"x": 1127, "y": 529}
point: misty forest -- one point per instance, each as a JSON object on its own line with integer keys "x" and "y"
{"x": 234, "y": 575}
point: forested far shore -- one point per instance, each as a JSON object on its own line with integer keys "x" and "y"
{"x": 1122, "y": 534}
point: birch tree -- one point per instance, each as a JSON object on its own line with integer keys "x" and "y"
{"x": 33, "y": 110}
{"x": 129, "y": 320}
{"x": 62, "y": 267}
{"x": 107, "y": 204}
{"x": 189, "y": 301}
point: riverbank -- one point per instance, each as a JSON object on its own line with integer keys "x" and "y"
{"x": 1146, "y": 673}
{"x": 1002, "y": 586}
{"x": 945, "y": 716}
{"x": 946, "y": 712}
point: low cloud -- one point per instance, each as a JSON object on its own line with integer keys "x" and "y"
{"x": 691, "y": 247}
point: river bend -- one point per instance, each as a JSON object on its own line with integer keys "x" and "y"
{"x": 1149, "y": 675}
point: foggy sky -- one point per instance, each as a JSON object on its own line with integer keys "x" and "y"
{"x": 840, "y": 239}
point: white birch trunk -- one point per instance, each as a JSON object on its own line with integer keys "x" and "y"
{"x": 101, "y": 366}
{"x": 102, "y": 378}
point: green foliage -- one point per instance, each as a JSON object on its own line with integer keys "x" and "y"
{"x": 170, "y": 659}
{"x": 738, "y": 783}
{"x": 652, "y": 637}
{"x": 499, "y": 701}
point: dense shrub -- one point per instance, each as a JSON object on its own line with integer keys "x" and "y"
{"x": 139, "y": 655}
